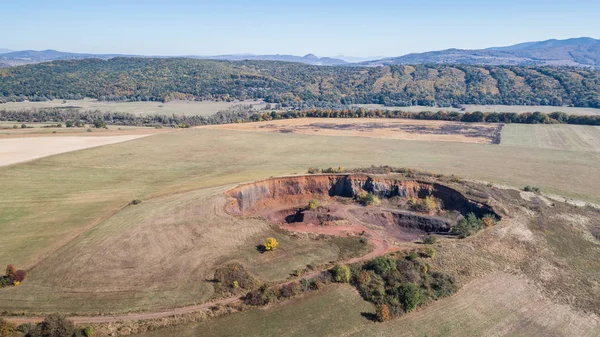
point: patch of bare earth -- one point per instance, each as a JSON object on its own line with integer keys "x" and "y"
{"x": 21, "y": 149}
{"x": 405, "y": 129}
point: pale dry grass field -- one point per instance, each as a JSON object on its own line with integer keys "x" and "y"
{"x": 204, "y": 108}
{"x": 160, "y": 254}
{"x": 405, "y": 129}
{"x": 21, "y": 149}
{"x": 55, "y": 209}
{"x": 564, "y": 137}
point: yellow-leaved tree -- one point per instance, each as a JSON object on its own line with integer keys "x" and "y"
{"x": 271, "y": 244}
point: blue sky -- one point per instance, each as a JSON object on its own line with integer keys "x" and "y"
{"x": 325, "y": 27}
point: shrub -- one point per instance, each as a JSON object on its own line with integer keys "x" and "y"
{"x": 69, "y": 124}
{"x": 442, "y": 284}
{"x": 261, "y": 296}
{"x": 429, "y": 252}
{"x": 382, "y": 265}
{"x": 367, "y": 199}
{"x": 429, "y": 239}
{"x": 4, "y": 282}
{"x": 341, "y": 273}
{"x": 10, "y": 270}
{"x": 428, "y": 204}
{"x": 533, "y": 189}
{"x": 317, "y": 284}
{"x": 136, "y": 201}
{"x": 23, "y": 126}
{"x": 56, "y": 326}
{"x": 5, "y": 328}
{"x": 271, "y": 244}
{"x": 313, "y": 170}
{"x": 382, "y": 313}
{"x": 467, "y": 226}
{"x": 88, "y": 331}
{"x": 233, "y": 276}
{"x": 489, "y": 220}
{"x": 412, "y": 256}
{"x": 312, "y": 204}
{"x": 289, "y": 290}
{"x": 409, "y": 295}
{"x": 363, "y": 278}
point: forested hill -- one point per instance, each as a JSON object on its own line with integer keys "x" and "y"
{"x": 167, "y": 79}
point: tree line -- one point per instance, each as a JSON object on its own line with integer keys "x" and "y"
{"x": 295, "y": 84}
{"x": 240, "y": 114}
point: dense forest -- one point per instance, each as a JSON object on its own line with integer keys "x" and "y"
{"x": 293, "y": 84}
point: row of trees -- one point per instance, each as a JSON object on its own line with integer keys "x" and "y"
{"x": 75, "y": 117}
{"x": 147, "y": 79}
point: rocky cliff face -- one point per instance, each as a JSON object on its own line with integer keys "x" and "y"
{"x": 284, "y": 192}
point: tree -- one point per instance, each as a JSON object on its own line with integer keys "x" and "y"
{"x": 271, "y": 244}
{"x": 341, "y": 273}
{"x": 19, "y": 276}
{"x": 69, "y": 124}
{"x": 383, "y": 313}
{"x": 382, "y": 265}
{"x": 11, "y": 270}
{"x": 312, "y": 204}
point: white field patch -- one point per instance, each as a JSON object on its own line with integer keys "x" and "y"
{"x": 17, "y": 150}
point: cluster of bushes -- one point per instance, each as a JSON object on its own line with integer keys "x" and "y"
{"x": 13, "y": 277}
{"x": 367, "y": 199}
{"x": 53, "y": 326}
{"x": 533, "y": 189}
{"x": 266, "y": 294}
{"x": 471, "y": 224}
{"x": 316, "y": 170}
{"x": 396, "y": 285}
{"x": 233, "y": 278}
{"x": 429, "y": 204}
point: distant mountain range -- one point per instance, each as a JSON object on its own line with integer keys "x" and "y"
{"x": 578, "y": 52}
{"x": 15, "y": 58}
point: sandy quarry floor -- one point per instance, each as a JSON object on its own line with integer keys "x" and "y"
{"x": 406, "y": 129}
{"x": 21, "y": 149}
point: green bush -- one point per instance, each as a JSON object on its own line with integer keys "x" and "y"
{"x": 468, "y": 226}
{"x": 312, "y": 204}
{"x": 429, "y": 252}
{"x": 533, "y": 189}
{"x": 382, "y": 265}
{"x": 88, "y": 331}
{"x": 442, "y": 285}
{"x": 410, "y": 296}
{"x": 429, "y": 239}
{"x": 341, "y": 273}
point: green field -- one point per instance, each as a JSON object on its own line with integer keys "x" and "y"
{"x": 563, "y": 137}
{"x": 190, "y": 108}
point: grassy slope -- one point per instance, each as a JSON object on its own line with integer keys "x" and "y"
{"x": 562, "y": 137}
{"x": 49, "y": 201}
{"x": 498, "y": 304}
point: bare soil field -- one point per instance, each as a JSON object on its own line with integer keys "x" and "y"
{"x": 20, "y": 149}
{"x": 204, "y": 108}
{"x": 584, "y": 138}
{"x": 404, "y": 129}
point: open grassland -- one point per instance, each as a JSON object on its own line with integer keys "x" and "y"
{"x": 334, "y": 311}
{"x": 498, "y": 304}
{"x": 22, "y": 149}
{"x": 405, "y": 129}
{"x": 50, "y": 205}
{"x": 202, "y": 108}
{"x": 7, "y": 130}
{"x": 162, "y": 253}
{"x": 562, "y": 137}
